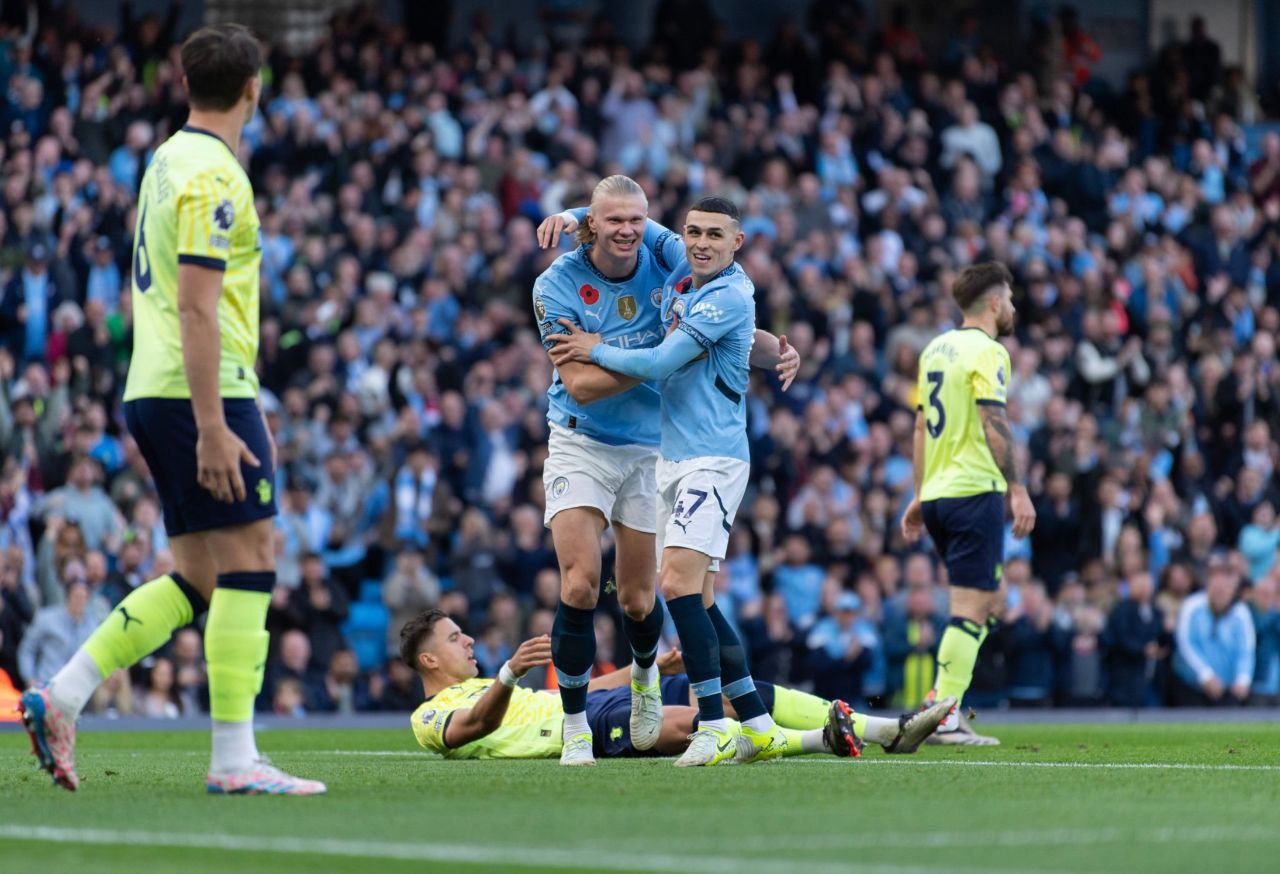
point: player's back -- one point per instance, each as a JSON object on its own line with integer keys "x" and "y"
{"x": 195, "y": 207}
{"x": 960, "y": 370}
{"x": 704, "y": 411}
{"x": 625, "y": 313}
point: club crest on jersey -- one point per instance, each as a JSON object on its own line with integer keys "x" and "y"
{"x": 678, "y": 308}
{"x": 224, "y": 215}
{"x": 627, "y": 307}
{"x": 559, "y": 486}
{"x": 655, "y": 297}
{"x": 589, "y": 294}
{"x": 540, "y": 308}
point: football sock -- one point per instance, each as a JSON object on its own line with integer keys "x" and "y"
{"x": 957, "y": 654}
{"x": 235, "y": 646}
{"x": 140, "y": 624}
{"x": 573, "y": 651}
{"x": 875, "y": 729}
{"x": 739, "y": 688}
{"x": 801, "y": 742}
{"x": 575, "y": 724}
{"x": 643, "y": 635}
{"x": 792, "y": 708}
{"x": 701, "y": 650}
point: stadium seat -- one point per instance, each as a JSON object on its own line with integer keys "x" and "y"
{"x": 371, "y": 592}
{"x": 366, "y": 632}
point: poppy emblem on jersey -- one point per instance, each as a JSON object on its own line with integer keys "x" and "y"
{"x": 627, "y": 307}
{"x": 540, "y": 308}
{"x": 683, "y": 285}
{"x": 655, "y": 297}
{"x": 589, "y": 294}
{"x": 224, "y": 215}
{"x": 559, "y": 486}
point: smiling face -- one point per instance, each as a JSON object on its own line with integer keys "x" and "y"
{"x": 449, "y": 652}
{"x": 710, "y": 241}
{"x": 618, "y": 222}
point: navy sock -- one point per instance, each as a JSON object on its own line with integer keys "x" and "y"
{"x": 739, "y": 688}
{"x": 573, "y": 652}
{"x": 701, "y": 650}
{"x": 643, "y": 635}
{"x": 767, "y": 694}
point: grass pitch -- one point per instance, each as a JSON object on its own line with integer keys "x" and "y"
{"x": 1065, "y": 798}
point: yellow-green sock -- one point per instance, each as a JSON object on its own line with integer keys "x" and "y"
{"x": 235, "y": 643}
{"x": 142, "y": 622}
{"x": 795, "y": 709}
{"x": 957, "y": 654}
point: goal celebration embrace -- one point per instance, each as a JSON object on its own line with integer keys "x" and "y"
{"x": 668, "y": 436}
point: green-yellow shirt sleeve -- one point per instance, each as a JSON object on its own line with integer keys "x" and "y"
{"x": 989, "y": 378}
{"x": 206, "y": 218}
{"x": 428, "y": 727}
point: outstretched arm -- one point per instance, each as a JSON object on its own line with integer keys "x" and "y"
{"x": 995, "y": 427}
{"x": 769, "y": 351}
{"x": 484, "y": 718}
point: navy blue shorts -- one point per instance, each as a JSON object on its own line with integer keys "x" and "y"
{"x": 609, "y": 715}
{"x": 165, "y": 430}
{"x": 969, "y": 534}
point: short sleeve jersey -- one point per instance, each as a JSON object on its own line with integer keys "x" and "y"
{"x": 196, "y": 207}
{"x": 625, "y": 312}
{"x": 531, "y": 728}
{"x": 960, "y": 371}
{"x": 704, "y": 410}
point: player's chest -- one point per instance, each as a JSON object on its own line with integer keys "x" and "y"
{"x": 626, "y": 316}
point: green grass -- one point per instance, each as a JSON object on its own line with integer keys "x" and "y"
{"x": 399, "y": 810}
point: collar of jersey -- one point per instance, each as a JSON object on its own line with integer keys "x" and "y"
{"x": 584, "y": 251}
{"x": 208, "y": 133}
{"x": 733, "y": 265}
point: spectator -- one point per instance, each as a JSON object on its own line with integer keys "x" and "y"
{"x": 911, "y": 645}
{"x": 799, "y": 581}
{"x": 1134, "y": 639}
{"x": 1033, "y": 644}
{"x": 844, "y": 648}
{"x": 319, "y": 607}
{"x": 1214, "y": 656}
{"x": 409, "y": 590}
{"x": 160, "y": 700}
{"x": 55, "y": 634}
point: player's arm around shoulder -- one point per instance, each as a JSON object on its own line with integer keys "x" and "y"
{"x": 553, "y": 306}
{"x": 486, "y": 716}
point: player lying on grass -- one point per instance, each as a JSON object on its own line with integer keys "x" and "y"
{"x": 465, "y": 717}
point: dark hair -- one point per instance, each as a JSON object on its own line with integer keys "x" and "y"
{"x": 976, "y": 280}
{"x": 722, "y": 205}
{"x": 414, "y": 634}
{"x": 218, "y": 61}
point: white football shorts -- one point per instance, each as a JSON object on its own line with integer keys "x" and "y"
{"x": 616, "y": 480}
{"x": 698, "y": 499}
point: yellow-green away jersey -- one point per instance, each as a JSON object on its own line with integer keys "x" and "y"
{"x": 195, "y": 207}
{"x": 531, "y": 728}
{"x": 959, "y": 371}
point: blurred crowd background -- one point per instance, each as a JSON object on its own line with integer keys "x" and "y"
{"x": 399, "y": 183}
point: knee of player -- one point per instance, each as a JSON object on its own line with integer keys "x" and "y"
{"x": 579, "y": 586}
{"x": 676, "y": 585}
{"x": 637, "y": 603}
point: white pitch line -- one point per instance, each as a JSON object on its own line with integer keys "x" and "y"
{"x": 991, "y": 763}
{"x": 483, "y": 854}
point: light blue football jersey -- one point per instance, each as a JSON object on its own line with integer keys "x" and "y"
{"x": 704, "y": 411}
{"x": 627, "y": 314}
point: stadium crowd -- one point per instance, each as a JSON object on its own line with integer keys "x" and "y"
{"x": 399, "y": 184}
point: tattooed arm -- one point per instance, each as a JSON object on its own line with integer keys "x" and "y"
{"x": 995, "y": 427}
